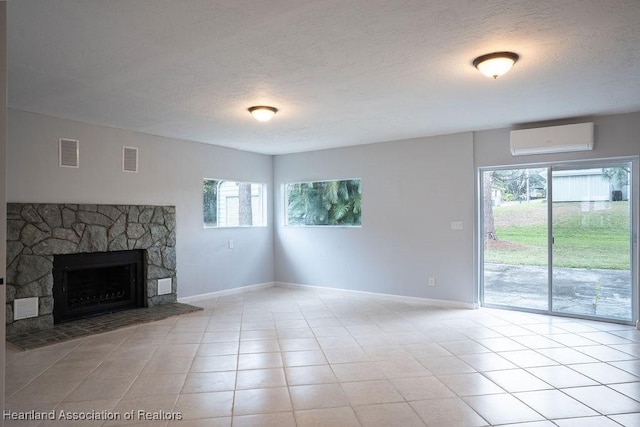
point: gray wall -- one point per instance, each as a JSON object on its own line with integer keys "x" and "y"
{"x": 411, "y": 191}
{"x": 3, "y": 205}
{"x": 615, "y": 136}
{"x": 170, "y": 173}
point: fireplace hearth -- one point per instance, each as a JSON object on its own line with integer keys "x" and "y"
{"x": 88, "y": 284}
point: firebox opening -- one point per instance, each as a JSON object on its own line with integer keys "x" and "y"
{"x": 88, "y": 284}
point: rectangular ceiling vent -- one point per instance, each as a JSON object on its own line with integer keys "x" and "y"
{"x": 554, "y": 139}
{"x": 68, "y": 153}
{"x": 130, "y": 159}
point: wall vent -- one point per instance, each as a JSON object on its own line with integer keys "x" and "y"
{"x": 68, "y": 153}
{"x": 25, "y": 308}
{"x": 554, "y": 139}
{"x": 130, "y": 159}
{"x": 164, "y": 286}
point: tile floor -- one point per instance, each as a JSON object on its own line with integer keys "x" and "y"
{"x": 98, "y": 324}
{"x": 304, "y": 357}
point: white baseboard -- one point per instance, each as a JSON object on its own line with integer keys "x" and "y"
{"x": 400, "y": 298}
{"x": 225, "y": 292}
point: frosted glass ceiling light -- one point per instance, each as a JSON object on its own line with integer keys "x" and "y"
{"x": 495, "y": 64}
{"x": 263, "y": 113}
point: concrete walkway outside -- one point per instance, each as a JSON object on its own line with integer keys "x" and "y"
{"x": 601, "y": 293}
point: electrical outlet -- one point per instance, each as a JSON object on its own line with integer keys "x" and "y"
{"x": 230, "y": 244}
{"x": 432, "y": 281}
{"x": 456, "y": 225}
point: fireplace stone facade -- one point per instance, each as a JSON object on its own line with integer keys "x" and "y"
{"x": 37, "y": 232}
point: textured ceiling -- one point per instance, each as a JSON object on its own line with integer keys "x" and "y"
{"x": 341, "y": 72}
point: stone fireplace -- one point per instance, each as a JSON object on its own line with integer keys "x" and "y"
{"x": 45, "y": 240}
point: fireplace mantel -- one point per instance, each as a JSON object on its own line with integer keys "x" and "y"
{"x": 36, "y": 232}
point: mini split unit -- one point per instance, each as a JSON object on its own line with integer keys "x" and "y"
{"x": 554, "y": 139}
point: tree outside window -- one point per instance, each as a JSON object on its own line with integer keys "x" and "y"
{"x": 324, "y": 203}
{"x": 233, "y": 203}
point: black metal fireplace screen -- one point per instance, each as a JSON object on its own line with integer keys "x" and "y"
{"x": 88, "y": 284}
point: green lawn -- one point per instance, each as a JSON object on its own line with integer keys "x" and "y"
{"x": 590, "y": 235}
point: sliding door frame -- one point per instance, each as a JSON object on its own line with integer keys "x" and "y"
{"x": 634, "y": 196}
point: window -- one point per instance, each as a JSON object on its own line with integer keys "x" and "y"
{"x": 332, "y": 203}
{"x": 233, "y": 204}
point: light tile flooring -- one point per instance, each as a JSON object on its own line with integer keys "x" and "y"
{"x": 287, "y": 357}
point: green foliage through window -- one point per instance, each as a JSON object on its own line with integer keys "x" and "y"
{"x": 337, "y": 203}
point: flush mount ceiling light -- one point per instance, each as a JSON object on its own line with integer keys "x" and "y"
{"x": 495, "y": 64}
{"x": 263, "y": 113}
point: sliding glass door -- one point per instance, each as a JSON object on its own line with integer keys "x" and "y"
{"x": 515, "y": 232}
{"x": 591, "y": 211}
{"x": 558, "y": 239}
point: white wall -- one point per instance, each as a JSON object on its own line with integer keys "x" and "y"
{"x": 170, "y": 173}
{"x": 411, "y": 191}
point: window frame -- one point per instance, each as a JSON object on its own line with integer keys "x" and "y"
{"x": 285, "y": 199}
{"x": 263, "y": 204}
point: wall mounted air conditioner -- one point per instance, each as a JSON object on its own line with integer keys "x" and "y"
{"x": 554, "y": 139}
